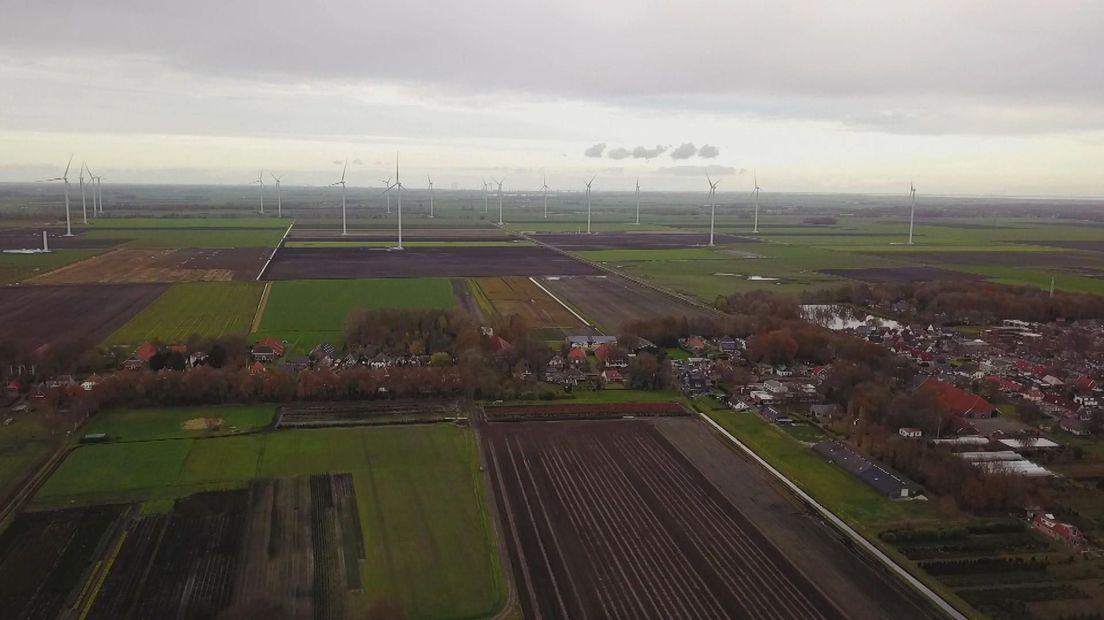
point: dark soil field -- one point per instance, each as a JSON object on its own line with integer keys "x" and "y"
{"x": 1063, "y": 260}
{"x": 582, "y": 411}
{"x": 608, "y": 519}
{"x": 32, "y": 316}
{"x": 345, "y": 413}
{"x": 345, "y": 263}
{"x": 31, "y": 238}
{"x": 876, "y": 275}
{"x": 409, "y": 234}
{"x": 1088, "y": 245}
{"x": 631, "y": 240}
{"x": 611, "y": 300}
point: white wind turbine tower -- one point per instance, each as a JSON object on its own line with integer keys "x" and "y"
{"x": 912, "y": 212}
{"x": 484, "y": 196}
{"x": 387, "y": 186}
{"x": 399, "y": 186}
{"x": 588, "y": 201}
{"x": 279, "y": 204}
{"x": 755, "y": 192}
{"x": 499, "y": 199}
{"x": 430, "y": 196}
{"x": 84, "y": 203}
{"x": 638, "y": 202}
{"x": 97, "y": 202}
{"x": 712, "y": 205}
{"x": 65, "y": 179}
{"x": 99, "y": 191}
{"x": 260, "y": 181}
{"x": 344, "y": 227}
{"x": 544, "y": 188}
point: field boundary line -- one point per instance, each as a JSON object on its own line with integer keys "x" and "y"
{"x": 262, "y": 304}
{"x": 276, "y": 249}
{"x": 560, "y": 301}
{"x": 841, "y": 525}
{"x": 73, "y": 265}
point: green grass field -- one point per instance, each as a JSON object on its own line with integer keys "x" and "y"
{"x": 19, "y": 267}
{"x": 157, "y": 238}
{"x": 229, "y": 223}
{"x": 420, "y": 497}
{"x": 168, "y": 422}
{"x": 407, "y": 244}
{"x": 311, "y": 311}
{"x": 208, "y": 309}
{"x": 24, "y": 445}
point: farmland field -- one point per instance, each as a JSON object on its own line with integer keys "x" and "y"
{"x": 36, "y": 315}
{"x": 179, "y": 422}
{"x": 607, "y": 519}
{"x": 445, "y": 261}
{"x": 309, "y": 311}
{"x": 520, "y": 296}
{"x": 609, "y": 301}
{"x": 428, "y": 545}
{"x": 161, "y": 265}
{"x": 16, "y": 268}
{"x": 208, "y": 309}
{"x": 24, "y": 445}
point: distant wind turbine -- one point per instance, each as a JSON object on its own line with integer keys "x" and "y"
{"x": 484, "y": 196}
{"x": 279, "y": 204}
{"x": 638, "y": 202}
{"x": 260, "y": 181}
{"x": 712, "y": 205}
{"x": 65, "y": 179}
{"x": 755, "y": 192}
{"x": 499, "y": 199}
{"x": 397, "y": 186}
{"x": 84, "y": 203}
{"x": 344, "y": 227}
{"x": 430, "y": 196}
{"x": 588, "y": 201}
{"x": 544, "y": 188}
{"x": 93, "y": 180}
{"x": 912, "y": 212}
{"x": 386, "y": 186}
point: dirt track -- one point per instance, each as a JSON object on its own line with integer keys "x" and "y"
{"x": 340, "y": 263}
{"x": 31, "y": 316}
{"x": 607, "y": 519}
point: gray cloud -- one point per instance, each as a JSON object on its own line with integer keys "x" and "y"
{"x": 697, "y": 171}
{"x": 338, "y": 162}
{"x": 642, "y": 152}
{"x": 685, "y": 151}
{"x": 596, "y": 150}
{"x": 619, "y": 153}
{"x": 359, "y": 162}
{"x": 708, "y": 151}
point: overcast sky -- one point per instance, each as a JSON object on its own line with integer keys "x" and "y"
{"x": 974, "y": 96}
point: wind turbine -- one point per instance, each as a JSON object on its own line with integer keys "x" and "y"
{"x": 484, "y": 196}
{"x": 912, "y": 213}
{"x": 755, "y": 192}
{"x": 638, "y": 202}
{"x": 712, "y": 206}
{"x": 84, "y": 203}
{"x": 65, "y": 179}
{"x": 344, "y": 227}
{"x": 99, "y": 190}
{"x": 387, "y": 186}
{"x": 544, "y": 188}
{"x": 279, "y": 205}
{"x": 260, "y": 180}
{"x": 430, "y": 196}
{"x": 399, "y": 186}
{"x": 588, "y": 201}
{"x": 499, "y": 199}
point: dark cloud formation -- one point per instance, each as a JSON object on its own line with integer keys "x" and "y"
{"x": 596, "y": 150}
{"x": 619, "y": 153}
{"x": 708, "y": 151}
{"x": 684, "y": 151}
{"x": 697, "y": 171}
{"x": 643, "y": 152}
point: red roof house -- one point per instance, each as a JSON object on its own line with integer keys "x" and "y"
{"x": 145, "y": 351}
{"x": 959, "y": 401}
{"x": 577, "y": 356}
{"x": 1086, "y": 384}
{"x": 276, "y": 345}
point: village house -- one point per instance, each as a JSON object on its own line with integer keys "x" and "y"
{"x": 588, "y": 343}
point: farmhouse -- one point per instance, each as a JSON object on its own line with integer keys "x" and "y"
{"x": 577, "y": 357}
{"x": 884, "y": 480}
{"x": 958, "y": 401}
{"x": 1049, "y": 526}
{"x": 590, "y": 342}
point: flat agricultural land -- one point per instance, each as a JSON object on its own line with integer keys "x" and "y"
{"x": 318, "y": 309}
{"x": 368, "y": 413}
{"x": 211, "y": 236}
{"x": 899, "y": 274}
{"x": 209, "y": 309}
{"x": 24, "y": 446}
{"x": 17, "y": 268}
{"x": 32, "y": 316}
{"x": 609, "y": 519}
{"x": 609, "y": 301}
{"x": 428, "y": 548}
{"x": 520, "y": 296}
{"x": 446, "y": 261}
{"x": 631, "y": 240}
{"x": 161, "y": 265}
{"x": 180, "y": 422}
{"x": 31, "y": 238}
{"x": 389, "y": 235}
